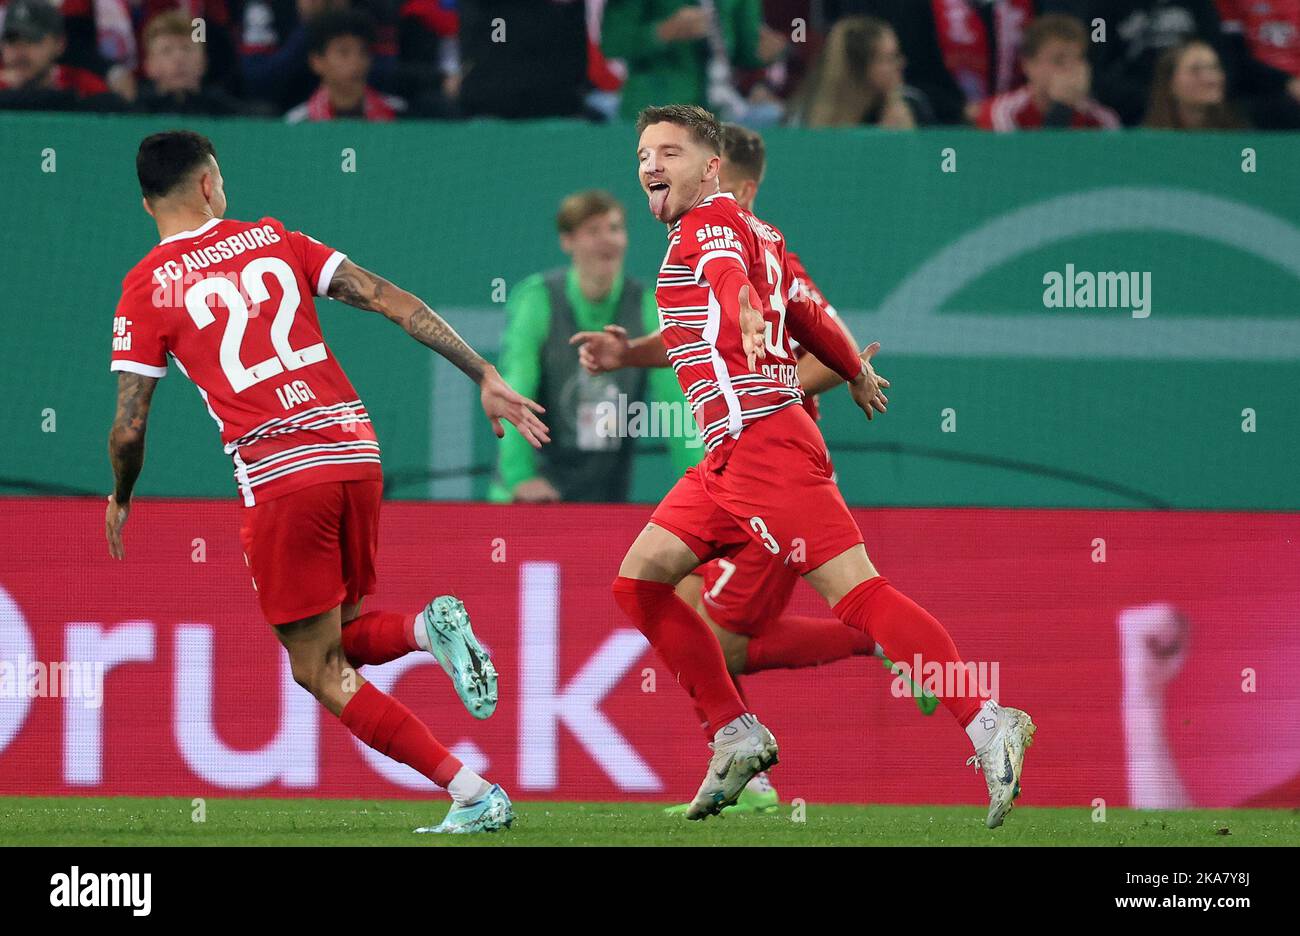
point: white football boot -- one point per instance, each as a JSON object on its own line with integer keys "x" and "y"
{"x": 1002, "y": 758}
{"x": 741, "y": 749}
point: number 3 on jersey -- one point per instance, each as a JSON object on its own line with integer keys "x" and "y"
{"x": 778, "y": 306}
{"x": 252, "y": 280}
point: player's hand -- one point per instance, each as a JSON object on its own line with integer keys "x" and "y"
{"x": 753, "y": 330}
{"x": 114, "y": 520}
{"x": 601, "y": 351}
{"x": 501, "y": 402}
{"x": 868, "y": 387}
{"x": 535, "y": 491}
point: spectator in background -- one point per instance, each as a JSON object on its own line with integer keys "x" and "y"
{"x": 31, "y": 78}
{"x": 274, "y": 47}
{"x": 522, "y": 58}
{"x": 1189, "y": 91}
{"x": 428, "y": 71}
{"x": 1266, "y": 33}
{"x": 1139, "y": 31}
{"x": 859, "y": 80}
{"x": 1055, "y": 63}
{"x": 100, "y": 39}
{"x": 338, "y": 46}
{"x": 174, "y": 67}
{"x": 221, "y": 60}
{"x": 788, "y": 73}
{"x": 582, "y": 463}
{"x": 959, "y": 52}
{"x": 675, "y": 50}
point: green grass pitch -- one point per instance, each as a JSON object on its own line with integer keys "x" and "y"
{"x": 141, "y": 821}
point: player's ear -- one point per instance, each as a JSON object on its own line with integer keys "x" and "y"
{"x": 148, "y": 209}
{"x": 713, "y": 167}
{"x": 566, "y": 243}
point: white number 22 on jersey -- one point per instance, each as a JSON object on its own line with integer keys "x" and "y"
{"x": 287, "y": 358}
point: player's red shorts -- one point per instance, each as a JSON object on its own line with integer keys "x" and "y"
{"x": 313, "y": 548}
{"x": 776, "y": 488}
{"x": 747, "y": 593}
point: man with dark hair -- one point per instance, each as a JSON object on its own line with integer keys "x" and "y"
{"x": 745, "y": 598}
{"x": 33, "y": 41}
{"x": 730, "y": 311}
{"x": 306, "y": 458}
{"x": 1054, "y": 58}
{"x": 339, "y": 54}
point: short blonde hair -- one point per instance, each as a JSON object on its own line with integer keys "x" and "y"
{"x": 168, "y": 23}
{"x": 580, "y": 207}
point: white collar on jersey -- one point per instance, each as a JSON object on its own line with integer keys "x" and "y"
{"x": 709, "y": 200}
{"x": 185, "y": 235}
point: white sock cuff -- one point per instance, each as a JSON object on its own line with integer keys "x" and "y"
{"x": 467, "y": 787}
{"x": 983, "y": 726}
{"x": 421, "y": 635}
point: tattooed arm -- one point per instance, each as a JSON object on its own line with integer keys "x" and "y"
{"x": 364, "y": 290}
{"x": 126, "y": 451}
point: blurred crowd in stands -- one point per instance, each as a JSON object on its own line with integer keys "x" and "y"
{"x": 996, "y": 64}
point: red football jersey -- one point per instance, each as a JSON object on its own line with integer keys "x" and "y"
{"x": 805, "y": 283}
{"x": 704, "y": 344}
{"x": 1016, "y": 110}
{"x": 231, "y": 303}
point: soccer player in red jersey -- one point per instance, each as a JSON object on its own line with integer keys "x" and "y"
{"x": 729, "y": 308}
{"x": 231, "y": 303}
{"x": 744, "y": 598}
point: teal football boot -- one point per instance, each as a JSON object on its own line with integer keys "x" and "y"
{"x": 489, "y": 814}
{"x": 462, "y": 657}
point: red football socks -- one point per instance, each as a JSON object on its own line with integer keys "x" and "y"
{"x": 704, "y": 721}
{"x": 378, "y": 636}
{"x": 389, "y": 727}
{"x": 905, "y": 630}
{"x": 685, "y": 644}
{"x": 795, "y": 642}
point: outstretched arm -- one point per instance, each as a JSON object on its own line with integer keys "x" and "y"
{"x": 126, "y": 451}
{"x": 365, "y": 290}
{"x": 610, "y": 350}
{"x": 828, "y": 342}
{"x": 815, "y": 377}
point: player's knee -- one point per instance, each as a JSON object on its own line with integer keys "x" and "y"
{"x": 319, "y": 670}
{"x": 735, "y": 650}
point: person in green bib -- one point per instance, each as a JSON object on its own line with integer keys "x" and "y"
{"x": 674, "y": 49}
{"x": 588, "y": 459}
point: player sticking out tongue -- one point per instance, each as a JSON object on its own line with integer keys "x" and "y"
{"x": 675, "y": 178}
{"x": 729, "y": 299}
